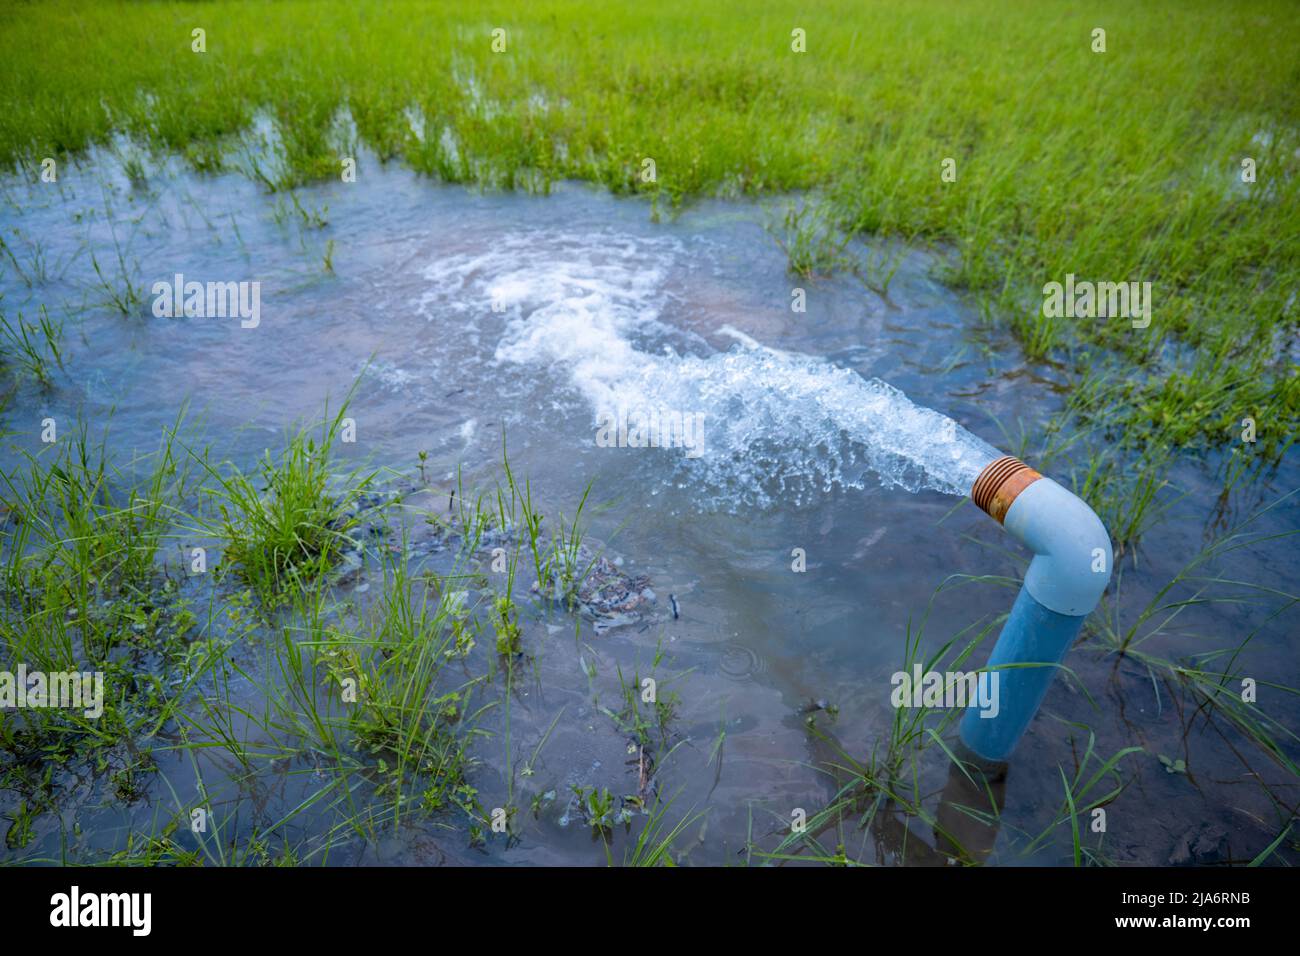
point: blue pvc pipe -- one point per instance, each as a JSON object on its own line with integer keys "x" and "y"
{"x": 1033, "y": 635}
{"x": 1064, "y": 582}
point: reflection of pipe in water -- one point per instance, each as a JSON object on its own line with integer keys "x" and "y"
{"x": 967, "y": 820}
{"x": 1065, "y": 580}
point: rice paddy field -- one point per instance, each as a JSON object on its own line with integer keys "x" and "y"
{"x": 317, "y": 321}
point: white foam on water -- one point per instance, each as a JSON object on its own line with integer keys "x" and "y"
{"x": 588, "y": 311}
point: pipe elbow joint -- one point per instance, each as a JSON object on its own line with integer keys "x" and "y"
{"x": 1072, "y": 552}
{"x": 1072, "y": 555}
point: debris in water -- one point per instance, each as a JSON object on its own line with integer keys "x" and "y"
{"x": 607, "y": 596}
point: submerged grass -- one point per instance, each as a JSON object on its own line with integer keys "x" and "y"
{"x": 32, "y": 347}
{"x": 361, "y": 714}
{"x": 1216, "y": 675}
{"x": 83, "y": 594}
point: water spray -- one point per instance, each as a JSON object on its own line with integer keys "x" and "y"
{"x": 1069, "y": 571}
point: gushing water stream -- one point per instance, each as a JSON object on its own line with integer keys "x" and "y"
{"x": 775, "y": 423}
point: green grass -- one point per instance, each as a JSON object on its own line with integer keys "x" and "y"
{"x": 287, "y": 524}
{"x": 369, "y": 707}
{"x": 83, "y": 591}
{"x": 410, "y": 721}
{"x": 1123, "y": 165}
{"x": 32, "y": 347}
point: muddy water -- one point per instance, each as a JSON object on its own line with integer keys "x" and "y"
{"x": 478, "y": 317}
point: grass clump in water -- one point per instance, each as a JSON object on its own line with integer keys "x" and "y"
{"x": 401, "y": 712}
{"x": 33, "y": 348}
{"x": 290, "y": 527}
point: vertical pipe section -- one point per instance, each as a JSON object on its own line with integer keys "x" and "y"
{"x": 1065, "y": 580}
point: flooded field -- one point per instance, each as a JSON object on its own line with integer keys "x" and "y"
{"x": 803, "y": 536}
